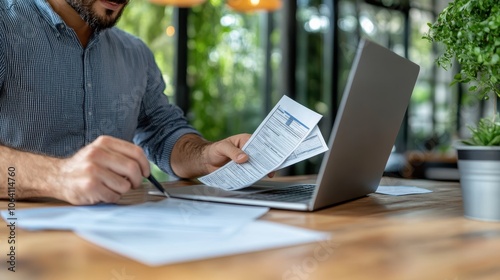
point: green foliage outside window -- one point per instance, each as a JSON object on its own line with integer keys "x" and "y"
{"x": 224, "y": 72}
{"x": 225, "y": 63}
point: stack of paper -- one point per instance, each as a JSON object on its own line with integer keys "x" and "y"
{"x": 169, "y": 231}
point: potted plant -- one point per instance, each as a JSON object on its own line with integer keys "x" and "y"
{"x": 469, "y": 30}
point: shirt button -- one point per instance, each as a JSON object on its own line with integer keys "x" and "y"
{"x": 89, "y": 85}
{"x": 90, "y": 114}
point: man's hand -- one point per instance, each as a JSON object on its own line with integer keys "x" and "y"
{"x": 100, "y": 172}
{"x": 193, "y": 156}
{"x": 217, "y": 154}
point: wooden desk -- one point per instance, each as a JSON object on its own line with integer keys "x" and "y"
{"x": 376, "y": 237}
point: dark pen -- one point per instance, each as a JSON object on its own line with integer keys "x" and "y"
{"x": 158, "y": 185}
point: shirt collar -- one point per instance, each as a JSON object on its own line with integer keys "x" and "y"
{"x": 48, "y": 13}
{"x": 54, "y": 19}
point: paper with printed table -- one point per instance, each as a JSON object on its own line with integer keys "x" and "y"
{"x": 287, "y": 135}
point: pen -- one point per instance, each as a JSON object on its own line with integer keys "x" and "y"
{"x": 158, "y": 185}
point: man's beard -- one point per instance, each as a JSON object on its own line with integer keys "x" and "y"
{"x": 95, "y": 21}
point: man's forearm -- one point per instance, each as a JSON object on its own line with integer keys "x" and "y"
{"x": 188, "y": 159}
{"x": 33, "y": 173}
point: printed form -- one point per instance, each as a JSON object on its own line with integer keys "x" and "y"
{"x": 272, "y": 146}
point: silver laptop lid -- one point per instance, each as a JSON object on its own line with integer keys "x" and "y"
{"x": 368, "y": 120}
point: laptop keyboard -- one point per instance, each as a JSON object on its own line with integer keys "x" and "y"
{"x": 295, "y": 193}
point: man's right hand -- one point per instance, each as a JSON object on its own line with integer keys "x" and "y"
{"x": 100, "y": 172}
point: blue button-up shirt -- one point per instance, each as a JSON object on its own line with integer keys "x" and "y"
{"x": 56, "y": 96}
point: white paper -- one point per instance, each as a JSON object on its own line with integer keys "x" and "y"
{"x": 283, "y": 130}
{"x": 401, "y": 190}
{"x": 169, "y": 215}
{"x": 153, "y": 249}
{"x": 313, "y": 145}
{"x": 169, "y": 231}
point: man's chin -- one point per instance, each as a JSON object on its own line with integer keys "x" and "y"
{"x": 106, "y": 18}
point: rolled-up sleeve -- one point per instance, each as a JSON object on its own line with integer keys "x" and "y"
{"x": 160, "y": 123}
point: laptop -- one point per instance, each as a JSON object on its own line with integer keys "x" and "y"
{"x": 365, "y": 129}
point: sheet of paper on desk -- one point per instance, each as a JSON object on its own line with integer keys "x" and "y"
{"x": 401, "y": 190}
{"x": 153, "y": 249}
{"x": 169, "y": 215}
{"x": 276, "y": 138}
{"x": 169, "y": 231}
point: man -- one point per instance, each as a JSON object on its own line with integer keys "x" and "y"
{"x": 67, "y": 79}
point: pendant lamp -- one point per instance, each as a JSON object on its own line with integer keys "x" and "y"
{"x": 254, "y": 5}
{"x": 178, "y": 3}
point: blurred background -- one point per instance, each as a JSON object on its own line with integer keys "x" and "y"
{"x": 227, "y": 62}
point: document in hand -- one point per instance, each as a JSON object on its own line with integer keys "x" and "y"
{"x": 287, "y": 135}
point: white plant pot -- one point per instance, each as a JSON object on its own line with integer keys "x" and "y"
{"x": 479, "y": 168}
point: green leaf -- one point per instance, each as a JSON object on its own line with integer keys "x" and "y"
{"x": 486, "y": 133}
{"x": 470, "y": 33}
